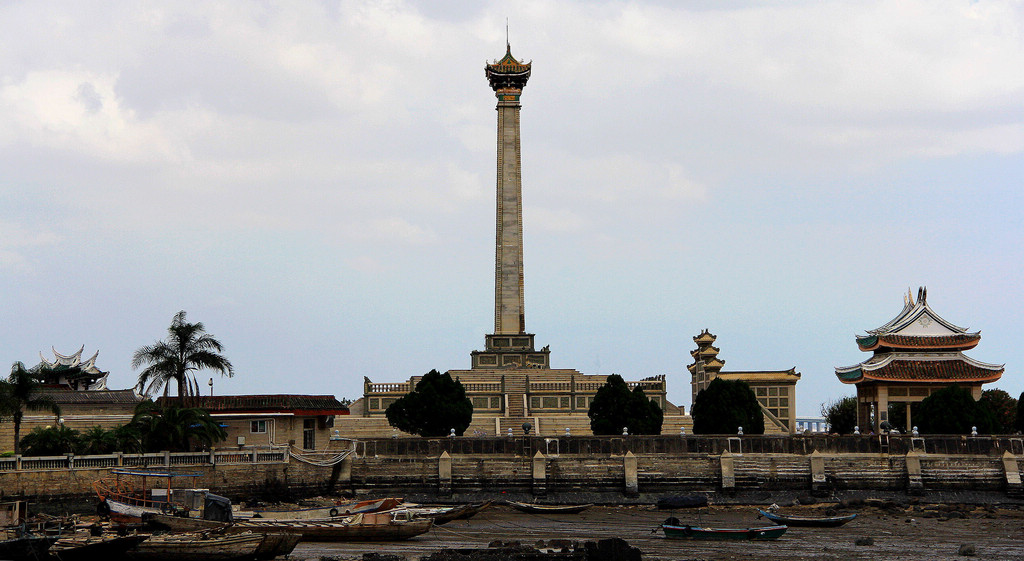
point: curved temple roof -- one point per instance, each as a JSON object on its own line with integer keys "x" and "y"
{"x": 919, "y": 345}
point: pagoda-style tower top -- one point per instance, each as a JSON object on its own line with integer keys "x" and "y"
{"x": 508, "y": 76}
{"x": 918, "y": 327}
{"x": 72, "y": 371}
{"x": 919, "y": 346}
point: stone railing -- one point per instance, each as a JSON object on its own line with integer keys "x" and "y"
{"x": 249, "y": 455}
{"x": 519, "y": 445}
{"x": 384, "y": 387}
{"x": 482, "y": 387}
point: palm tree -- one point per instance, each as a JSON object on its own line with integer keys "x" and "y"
{"x": 21, "y": 392}
{"x": 175, "y": 428}
{"x": 188, "y": 348}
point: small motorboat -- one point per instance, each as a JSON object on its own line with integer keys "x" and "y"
{"x": 821, "y": 522}
{"x": 674, "y": 530}
{"x": 534, "y": 508}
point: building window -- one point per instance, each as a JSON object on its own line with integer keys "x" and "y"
{"x": 309, "y": 434}
{"x": 258, "y": 427}
{"x": 480, "y": 402}
{"x": 762, "y": 392}
{"x": 495, "y": 403}
{"x": 563, "y": 402}
{"x": 549, "y": 402}
{"x": 374, "y": 403}
{"x": 534, "y": 403}
{"x": 773, "y": 391}
{"x": 581, "y": 402}
{"x": 783, "y": 391}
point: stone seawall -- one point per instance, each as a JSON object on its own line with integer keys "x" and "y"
{"x": 608, "y": 469}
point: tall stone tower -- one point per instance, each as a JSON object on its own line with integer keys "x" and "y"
{"x": 510, "y": 346}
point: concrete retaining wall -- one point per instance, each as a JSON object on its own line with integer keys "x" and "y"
{"x": 610, "y": 469}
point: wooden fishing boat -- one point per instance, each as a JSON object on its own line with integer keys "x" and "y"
{"x": 821, "y": 522}
{"x": 277, "y": 544}
{"x": 461, "y": 512}
{"x": 91, "y": 548}
{"x": 370, "y": 526}
{"x": 534, "y": 508}
{"x": 327, "y": 512}
{"x": 687, "y": 532}
{"x": 165, "y": 522}
{"x": 27, "y": 547}
{"x": 197, "y": 547}
{"x": 126, "y": 495}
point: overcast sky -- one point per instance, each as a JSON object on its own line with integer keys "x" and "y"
{"x": 314, "y": 181}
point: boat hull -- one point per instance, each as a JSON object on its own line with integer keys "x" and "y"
{"x": 722, "y": 534}
{"x": 340, "y": 531}
{"x": 326, "y": 512}
{"x": 197, "y": 547}
{"x": 548, "y": 509}
{"x": 826, "y": 522}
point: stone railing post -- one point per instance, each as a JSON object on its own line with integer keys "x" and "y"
{"x": 629, "y": 466}
{"x": 1010, "y": 466}
{"x": 915, "y": 482}
{"x": 167, "y": 458}
{"x": 444, "y": 474}
{"x": 540, "y": 474}
{"x": 119, "y": 456}
{"x": 728, "y": 472}
{"x": 213, "y": 457}
{"x": 817, "y": 471}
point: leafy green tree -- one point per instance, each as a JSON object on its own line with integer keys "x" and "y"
{"x": 97, "y": 440}
{"x": 724, "y": 406}
{"x": 188, "y": 349}
{"x": 1003, "y": 409}
{"x": 841, "y": 414}
{"x": 21, "y": 392}
{"x": 616, "y": 407}
{"x": 50, "y": 441}
{"x": 174, "y": 428}
{"x": 435, "y": 406}
{"x": 952, "y": 410}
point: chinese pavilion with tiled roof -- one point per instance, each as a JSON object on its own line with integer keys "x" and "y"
{"x": 71, "y": 371}
{"x": 913, "y": 355}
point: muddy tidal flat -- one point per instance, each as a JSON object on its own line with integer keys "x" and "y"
{"x": 918, "y": 532}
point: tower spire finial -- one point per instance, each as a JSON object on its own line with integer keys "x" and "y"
{"x": 508, "y": 45}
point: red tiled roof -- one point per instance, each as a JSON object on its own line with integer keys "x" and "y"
{"x": 930, "y": 371}
{"x": 960, "y": 341}
{"x": 309, "y": 404}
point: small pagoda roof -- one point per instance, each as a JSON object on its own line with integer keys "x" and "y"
{"x": 508, "y": 64}
{"x": 938, "y": 367}
{"x": 704, "y": 337}
{"x": 918, "y": 326}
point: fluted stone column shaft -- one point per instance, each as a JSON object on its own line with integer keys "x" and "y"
{"x": 509, "y": 310}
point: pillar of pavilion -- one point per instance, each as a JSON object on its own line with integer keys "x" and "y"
{"x": 913, "y": 355}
